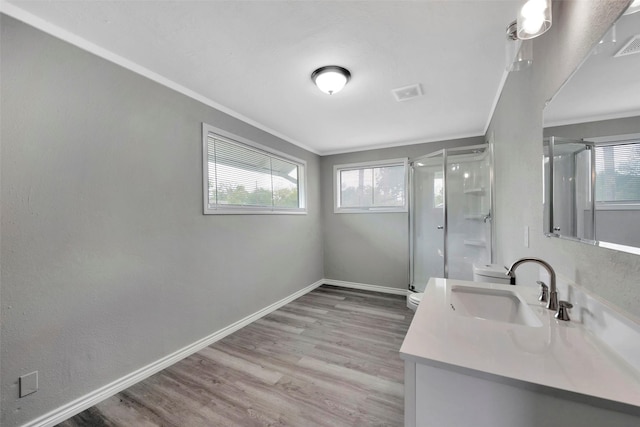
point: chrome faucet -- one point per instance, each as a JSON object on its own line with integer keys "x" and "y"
{"x": 552, "y": 303}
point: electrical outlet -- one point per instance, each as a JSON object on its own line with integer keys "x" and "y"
{"x": 526, "y": 236}
{"x": 28, "y": 384}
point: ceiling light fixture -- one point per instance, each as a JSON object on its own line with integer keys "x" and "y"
{"x": 534, "y": 18}
{"x": 331, "y": 78}
{"x": 519, "y": 52}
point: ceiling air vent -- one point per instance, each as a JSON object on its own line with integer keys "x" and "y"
{"x": 633, "y": 46}
{"x": 407, "y": 92}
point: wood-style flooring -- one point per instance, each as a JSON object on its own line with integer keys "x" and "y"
{"x": 329, "y": 358}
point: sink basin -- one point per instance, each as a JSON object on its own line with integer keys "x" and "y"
{"x": 498, "y": 305}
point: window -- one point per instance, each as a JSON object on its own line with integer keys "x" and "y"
{"x": 438, "y": 189}
{"x": 371, "y": 187}
{"x": 243, "y": 177}
{"x": 618, "y": 175}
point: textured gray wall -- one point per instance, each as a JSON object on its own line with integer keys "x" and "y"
{"x": 371, "y": 248}
{"x": 108, "y": 263}
{"x": 516, "y": 129}
{"x": 627, "y": 125}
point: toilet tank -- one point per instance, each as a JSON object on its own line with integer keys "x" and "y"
{"x": 490, "y": 273}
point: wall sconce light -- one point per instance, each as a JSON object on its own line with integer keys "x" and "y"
{"x": 519, "y": 52}
{"x": 331, "y": 79}
{"x": 534, "y": 18}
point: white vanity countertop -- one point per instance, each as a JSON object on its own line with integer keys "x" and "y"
{"x": 559, "y": 355}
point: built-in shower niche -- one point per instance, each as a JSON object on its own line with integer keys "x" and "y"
{"x": 450, "y": 213}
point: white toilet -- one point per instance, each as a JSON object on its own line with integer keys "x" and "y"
{"x": 413, "y": 299}
{"x": 490, "y": 273}
{"x": 487, "y": 273}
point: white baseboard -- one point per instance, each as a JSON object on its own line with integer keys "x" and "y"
{"x": 60, "y": 414}
{"x": 69, "y": 410}
{"x": 365, "y": 287}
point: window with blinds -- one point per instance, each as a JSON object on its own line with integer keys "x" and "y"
{"x": 618, "y": 174}
{"x": 371, "y": 187}
{"x": 244, "y": 177}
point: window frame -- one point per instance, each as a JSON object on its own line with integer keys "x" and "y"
{"x": 403, "y": 161}
{"x": 250, "y": 210}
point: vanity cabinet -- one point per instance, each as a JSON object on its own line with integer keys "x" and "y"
{"x": 439, "y": 397}
{"x": 463, "y": 370}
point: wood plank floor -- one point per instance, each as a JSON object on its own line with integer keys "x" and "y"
{"x": 329, "y": 358}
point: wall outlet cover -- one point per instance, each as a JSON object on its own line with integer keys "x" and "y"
{"x": 28, "y": 384}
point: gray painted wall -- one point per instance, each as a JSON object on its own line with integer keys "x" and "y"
{"x": 516, "y": 130}
{"x": 371, "y": 248}
{"x": 108, "y": 263}
{"x": 624, "y": 126}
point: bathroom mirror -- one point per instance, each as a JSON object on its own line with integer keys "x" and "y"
{"x": 592, "y": 146}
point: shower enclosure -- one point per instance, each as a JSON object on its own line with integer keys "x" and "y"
{"x": 450, "y": 214}
{"x": 569, "y": 188}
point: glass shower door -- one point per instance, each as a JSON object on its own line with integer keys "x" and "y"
{"x": 468, "y": 201}
{"x": 427, "y": 220}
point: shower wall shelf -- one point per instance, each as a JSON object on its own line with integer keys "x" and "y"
{"x": 479, "y": 191}
{"x": 475, "y": 242}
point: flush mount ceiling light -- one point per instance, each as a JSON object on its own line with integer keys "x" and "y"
{"x": 331, "y": 79}
{"x": 534, "y": 18}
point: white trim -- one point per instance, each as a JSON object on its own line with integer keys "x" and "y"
{"x": 372, "y": 164}
{"x": 69, "y": 37}
{"x": 442, "y": 138}
{"x": 366, "y": 287}
{"x": 72, "y": 408}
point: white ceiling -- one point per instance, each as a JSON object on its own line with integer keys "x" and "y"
{"x": 254, "y": 60}
{"x": 605, "y": 86}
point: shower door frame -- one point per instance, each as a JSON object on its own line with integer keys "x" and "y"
{"x": 488, "y": 148}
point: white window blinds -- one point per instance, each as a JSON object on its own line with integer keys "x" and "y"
{"x": 618, "y": 173}
{"x": 242, "y": 178}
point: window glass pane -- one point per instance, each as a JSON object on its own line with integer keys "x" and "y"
{"x": 240, "y": 175}
{"x": 356, "y": 188}
{"x": 617, "y": 174}
{"x": 285, "y": 183}
{"x": 243, "y": 176}
{"x": 438, "y": 190}
{"x": 211, "y": 159}
{"x": 389, "y": 186}
{"x": 371, "y": 187}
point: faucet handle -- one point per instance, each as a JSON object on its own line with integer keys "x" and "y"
{"x": 511, "y": 275}
{"x": 563, "y": 313}
{"x": 544, "y": 291}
